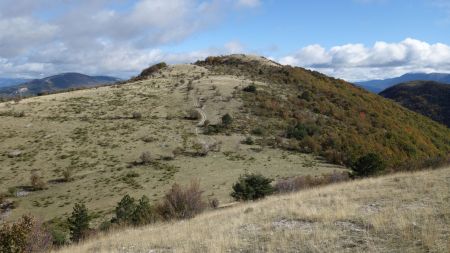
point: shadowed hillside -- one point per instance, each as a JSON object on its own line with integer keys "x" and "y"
{"x": 431, "y": 99}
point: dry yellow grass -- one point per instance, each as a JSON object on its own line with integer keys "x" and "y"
{"x": 407, "y": 212}
{"x": 92, "y": 133}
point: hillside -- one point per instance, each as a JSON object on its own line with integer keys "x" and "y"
{"x": 302, "y": 110}
{"x": 377, "y": 86}
{"x": 429, "y": 98}
{"x": 56, "y": 83}
{"x": 167, "y": 126}
{"x": 397, "y": 213}
{"x": 99, "y": 137}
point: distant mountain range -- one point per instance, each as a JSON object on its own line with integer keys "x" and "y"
{"x": 377, "y": 86}
{"x": 5, "y": 82}
{"x": 429, "y": 98}
{"x": 55, "y": 83}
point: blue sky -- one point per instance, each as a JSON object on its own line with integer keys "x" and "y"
{"x": 350, "y": 39}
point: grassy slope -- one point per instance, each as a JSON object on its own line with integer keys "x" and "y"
{"x": 349, "y": 121}
{"x": 407, "y": 212}
{"x": 91, "y": 133}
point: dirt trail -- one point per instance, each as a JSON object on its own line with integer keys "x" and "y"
{"x": 202, "y": 113}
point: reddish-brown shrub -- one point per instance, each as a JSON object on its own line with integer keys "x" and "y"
{"x": 304, "y": 182}
{"x": 182, "y": 203}
{"x": 26, "y": 235}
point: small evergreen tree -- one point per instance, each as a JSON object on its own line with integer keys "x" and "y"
{"x": 79, "y": 222}
{"x": 368, "y": 165}
{"x": 143, "y": 214}
{"x": 124, "y": 210}
{"x": 252, "y": 187}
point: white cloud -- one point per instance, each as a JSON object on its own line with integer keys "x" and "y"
{"x": 248, "y": 3}
{"x": 357, "y": 61}
{"x": 97, "y": 37}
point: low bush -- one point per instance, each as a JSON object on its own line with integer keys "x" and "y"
{"x": 251, "y": 88}
{"x": 248, "y": 141}
{"x": 25, "y": 235}
{"x": 303, "y": 182}
{"x": 368, "y": 165}
{"x": 214, "y": 203}
{"x": 182, "y": 202}
{"x": 37, "y": 183}
{"x": 252, "y": 187}
{"x": 136, "y": 115}
{"x": 226, "y": 120}
{"x": 300, "y": 131}
{"x": 145, "y": 158}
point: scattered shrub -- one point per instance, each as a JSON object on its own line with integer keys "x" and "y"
{"x": 227, "y": 120}
{"x": 368, "y": 165}
{"x": 26, "y": 235}
{"x": 79, "y": 223}
{"x": 145, "y": 157}
{"x": 304, "y": 182}
{"x": 201, "y": 149}
{"x": 251, "y": 88}
{"x": 258, "y": 131}
{"x": 193, "y": 115}
{"x": 248, "y": 140}
{"x": 37, "y": 183}
{"x": 151, "y": 70}
{"x": 300, "y": 131}
{"x": 67, "y": 175}
{"x": 136, "y": 115}
{"x": 182, "y": 203}
{"x": 214, "y": 203}
{"x": 252, "y": 187}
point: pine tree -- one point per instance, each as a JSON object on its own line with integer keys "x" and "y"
{"x": 143, "y": 214}
{"x": 79, "y": 222}
{"x": 124, "y": 210}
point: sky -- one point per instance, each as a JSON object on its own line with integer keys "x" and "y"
{"x": 349, "y": 39}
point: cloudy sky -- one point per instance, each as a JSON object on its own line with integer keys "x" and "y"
{"x": 350, "y": 39}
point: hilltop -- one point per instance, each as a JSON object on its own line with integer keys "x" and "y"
{"x": 167, "y": 125}
{"x": 429, "y": 98}
{"x": 55, "y": 83}
{"x": 398, "y": 213}
{"x": 377, "y": 86}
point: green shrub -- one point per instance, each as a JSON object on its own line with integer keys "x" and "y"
{"x": 248, "y": 140}
{"x": 252, "y": 187}
{"x": 79, "y": 222}
{"x": 258, "y": 131}
{"x": 251, "y": 88}
{"x": 368, "y": 165}
{"x": 124, "y": 210}
{"x": 227, "y": 120}
{"x": 144, "y": 213}
{"x": 25, "y": 235}
{"x": 300, "y": 131}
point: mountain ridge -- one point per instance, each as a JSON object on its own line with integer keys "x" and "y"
{"x": 63, "y": 81}
{"x": 377, "y": 86}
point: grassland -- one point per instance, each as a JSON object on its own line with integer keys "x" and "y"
{"x": 406, "y": 212}
{"x": 99, "y": 134}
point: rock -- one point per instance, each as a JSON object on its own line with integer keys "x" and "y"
{"x": 14, "y": 153}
